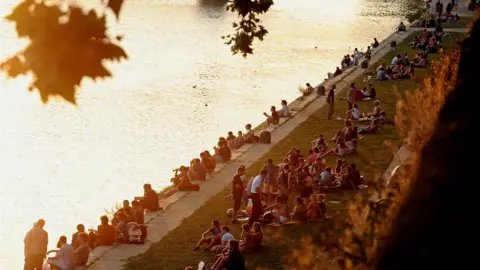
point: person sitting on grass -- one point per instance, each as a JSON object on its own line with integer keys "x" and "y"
{"x": 226, "y": 237}
{"x": 404, "y": 73}
{"x": 211, "y": 237}
{"x": 257, "y": 236}
{"x": 327, "y": 177}
{"x": 354, "y": 114}
{"x": 313, "y": 209}
{"x": 420, "y": 61}
{"x": 382, "y": 75}
{"x": 341, "y": 150}
{"x": 279, "y": 210}
{"x": 319, "y": 143}
{"x": 372, "y": 128}
{"x": 246, "y": 244}
{"x": 274, "y": 118}
{"x": 351, "y": 135}
{"x": 322, "y": 205}
{"x": 232, "y": 259}
{"x": 299, "y": 213}
{"x": 305, "y": 181}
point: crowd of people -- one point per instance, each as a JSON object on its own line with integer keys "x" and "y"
{"x": 126, "y": 226}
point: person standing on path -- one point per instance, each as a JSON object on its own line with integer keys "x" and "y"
{"x": 331, "y": 101}
{"x": 351, "y": 95}
{"x": 36, "y": 241}
{"x": 237, "y": 192}
{"x": 255, "y": 195}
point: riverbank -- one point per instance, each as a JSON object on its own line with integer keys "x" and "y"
{"x": 161, "y": 223}
{"x": 374, "y": 158}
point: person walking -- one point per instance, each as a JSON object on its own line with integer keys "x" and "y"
{"x": 237, "y": 192}
{"x": 36, "y": 241}
{"x": 331, "y": 101}
{"x": 255, "y": 193}
{"x": 351, "y": 95}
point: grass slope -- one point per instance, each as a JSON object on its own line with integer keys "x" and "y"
{"x": 174, "y": 251}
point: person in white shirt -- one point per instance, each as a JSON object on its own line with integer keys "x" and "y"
{"x": 255, "y": 195}
{"x": 396, "y": 59}
{"x": 285, "y": 112}
{"x": 354, "y": 113}
{"x": 326, "y": 177}
{"x": 226, "y": 235}
{"x": 63, "y": 259}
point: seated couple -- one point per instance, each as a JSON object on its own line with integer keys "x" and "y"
{"x": 355, "y": 114}
{"x": 66, "y": 257}
{"x": 274, "y": 117}
{"x": 350, "y": 177}
{"x": 217, "y": 239}
{"x": 129, "y": 222}
{"x": 181, "y": 182}
{"x": 222, "y": 151}
{"x": 398, "y": 71}
{"x": 420, "y": 61}
{"x": 368, "y": 93}
{"x": 235, "y": 142}
{"x": 343, "y": 148}
{"x": 300, "y": 213}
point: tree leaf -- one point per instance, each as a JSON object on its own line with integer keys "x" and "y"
{"x": 115, "y": 6}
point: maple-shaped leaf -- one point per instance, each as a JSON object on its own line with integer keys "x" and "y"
{"x": 115, "y": 6}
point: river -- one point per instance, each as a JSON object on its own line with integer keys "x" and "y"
{"x": 180, "y": 91}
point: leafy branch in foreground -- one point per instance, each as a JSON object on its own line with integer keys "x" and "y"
{"x": 249, "y": 27}
{"x": 65, "y": 46}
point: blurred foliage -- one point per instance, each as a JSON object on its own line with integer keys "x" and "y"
{"x": 249, "y": 27}
{"x": 66, "y": 44}
{"x": 417, "y": 113}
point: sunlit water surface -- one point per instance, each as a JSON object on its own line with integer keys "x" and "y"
{"x": 68, "y": 164}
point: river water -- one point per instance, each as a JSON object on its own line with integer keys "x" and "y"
{"x": 180, "y": 90}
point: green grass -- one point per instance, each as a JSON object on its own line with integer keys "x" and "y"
{"x": 462, "y": 23}
{"x": 174, "y": 251}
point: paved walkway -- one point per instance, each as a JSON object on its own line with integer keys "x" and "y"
{"x": 183, "y": 204}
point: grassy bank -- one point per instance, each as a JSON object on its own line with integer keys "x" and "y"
{"x": 376, "y": 151}
{"x": 462, "y": 23}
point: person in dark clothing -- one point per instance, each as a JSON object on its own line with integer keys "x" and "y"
{"x": 237, "y": 192}
{"x": 337, "y": 72}
{"x": 105, "y": 233}
{"x": 232, "y": 259}
{"x": 373, "y": 92}
{"x": 331, "y": 101}
{"x": 356, "y": 177}
{"x": 150, "y": 198}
